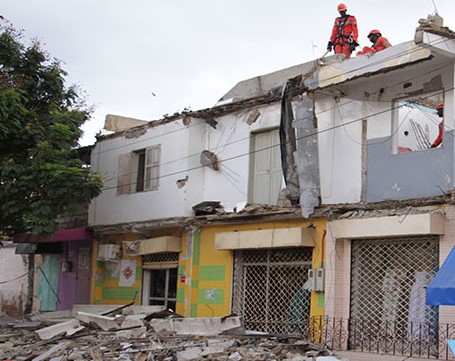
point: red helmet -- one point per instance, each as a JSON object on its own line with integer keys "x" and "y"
{"x": 342, "y": 7}
{"x": 440, "y": 106}
{"x": 374, "y": 32}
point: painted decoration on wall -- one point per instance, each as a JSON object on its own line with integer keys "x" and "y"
{"x": 127, "y": 273}
{"x": 84, "y": 258}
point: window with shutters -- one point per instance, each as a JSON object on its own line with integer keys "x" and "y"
{"x": 139, "y": 171}
{"x": 266, "y": 171}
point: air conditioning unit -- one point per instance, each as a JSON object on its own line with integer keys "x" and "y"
{"x": 108, "y": 252}
{"x": 316, "y": 276}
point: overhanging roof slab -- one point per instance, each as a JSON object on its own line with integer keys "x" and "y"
{"x": 367, "y": 65}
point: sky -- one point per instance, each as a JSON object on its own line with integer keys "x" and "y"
{"x": 148, "y": 58}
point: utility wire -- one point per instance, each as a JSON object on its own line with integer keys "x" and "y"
{"x": 332, "y": 78}
{"x": 239, "y": 140}
{"x": 343, "y": 124}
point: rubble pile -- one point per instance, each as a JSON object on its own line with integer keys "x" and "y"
{"x": 148, "y": 337}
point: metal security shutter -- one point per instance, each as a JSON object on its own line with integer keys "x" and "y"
{"x": 160, "y": 260}
{"x": 388, "y": 280}
{"x": 268, "y": 289}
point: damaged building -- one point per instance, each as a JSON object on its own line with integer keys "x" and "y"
{"x": 308, "y": 200}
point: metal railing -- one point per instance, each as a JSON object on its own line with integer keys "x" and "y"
{"x": 419, "y": 340}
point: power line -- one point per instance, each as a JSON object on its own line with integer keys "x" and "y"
{"x": 332, "y": 78}
{"x": 343, "y": 124}
{"x": 319, "y": 113}
{"x": 242, "y": 139}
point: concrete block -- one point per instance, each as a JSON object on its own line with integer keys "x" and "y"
{"x": 133, "y": 333}
{"x": 196, "y": 326}
{"x": 64, "y": 328}
{"x": 133, "y": 321}
{"x": 46, "y": 355}
{"x": 104, "y": 322}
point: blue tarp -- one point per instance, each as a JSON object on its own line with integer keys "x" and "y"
{"x": 441, "y": 290}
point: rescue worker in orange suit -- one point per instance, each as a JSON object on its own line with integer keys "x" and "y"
{"x": 379, "y": 43}
{"x": 438, "y": 140}
{"x": 344, "y": 33}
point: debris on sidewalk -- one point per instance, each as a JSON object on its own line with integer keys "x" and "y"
{"x": 137, "y": 336}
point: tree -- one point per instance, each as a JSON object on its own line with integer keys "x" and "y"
{"x": 41, "y": 177}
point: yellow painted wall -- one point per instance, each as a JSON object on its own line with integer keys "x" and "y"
{"x": 105, "y": 287}
{"x": 205, "y": 275}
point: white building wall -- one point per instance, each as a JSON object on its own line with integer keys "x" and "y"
{"x": 167, "y": 201}
{"x": 181, "y": 147}
{"x": 231, "y": 143}
{"x": 340, "y": 149}
{"x": 13, "y": 282}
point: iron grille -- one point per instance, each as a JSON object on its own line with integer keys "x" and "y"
{"x": 388, "y": 291}
{"x": 161, "y": 257}
{"x": 268, "y": 289}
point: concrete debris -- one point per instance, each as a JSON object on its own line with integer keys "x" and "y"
{"x": 196, "y": 326}
{"x": 64, "y": 328}
{"x": 104, "y": 322}
{"x": 138, "y": 337}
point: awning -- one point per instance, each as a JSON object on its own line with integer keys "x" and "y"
{"x": 441, "y": 291}
{"x": 161, "y": 244}
{"x": 75, "y": 234}
{"x": 38, "y": 248}
{"x": 266, "y": 238}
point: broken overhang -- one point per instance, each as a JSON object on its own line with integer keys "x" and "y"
{"x": 152, "y": 245}
{"x": 366, "y": 65}
{"x": 266, "y": 238}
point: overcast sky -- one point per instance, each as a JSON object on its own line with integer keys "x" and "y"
{"x": 147, "y": 58}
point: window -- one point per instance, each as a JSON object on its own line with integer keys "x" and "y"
{"x": 160, "y": 286}
{"x": 139, "y": 171}
{"x": 266, "y": 168}
{"x": 418, "y": 122}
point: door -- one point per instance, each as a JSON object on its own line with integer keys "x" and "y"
{"x": 48, "y": 284}
{"x": 83, "y": 275}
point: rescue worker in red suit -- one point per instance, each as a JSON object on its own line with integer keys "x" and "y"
{"x": 379, "y": 43}
{"x": 344, "y": 33}
{"x": 438, "y": 140}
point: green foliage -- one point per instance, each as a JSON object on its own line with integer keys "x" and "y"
{"x": 41, "y": 177}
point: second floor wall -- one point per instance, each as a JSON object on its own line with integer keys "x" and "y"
{"x": 163, "y": 170}
{"x": 377, "y": 133}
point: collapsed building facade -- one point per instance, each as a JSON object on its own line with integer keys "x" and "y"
{"x": 307, "y": 200}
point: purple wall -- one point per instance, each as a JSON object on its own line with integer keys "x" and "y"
{"x": 78, "y": 253}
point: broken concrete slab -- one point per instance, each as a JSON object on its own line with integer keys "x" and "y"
{"x": 147, "y": 310}
{"x": 132, "y": 333}
{"x": 133, "y": 321}
{"x": 196, "y": 326}
{"x": 102, "y": 309}
{"x": 51, "y": 351}
{"x": 32, "y": 325}
{"x": 64, "y": 328}
{"x": 213, "y": 347}
{"x": 104, "y": 322}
